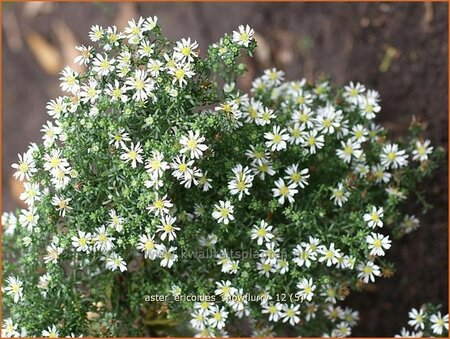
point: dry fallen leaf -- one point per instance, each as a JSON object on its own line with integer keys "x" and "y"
{"x": 127, "y": 10}
{"x": 263, "y": 52}
{"x": 34, "y": 8}
{"x": 67, "y": 41}
{"x": 16, "y": 189}
{"x": 12, "y": 32}
{"x": 45, "y": 53}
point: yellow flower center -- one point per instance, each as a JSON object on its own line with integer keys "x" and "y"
{"x": 186, "y": 51}
{"x": 159, "y": 204}
{"x": 284, "y": 191}
{"x": 179, "y": 74}
{"x": 139, "y": 84}
{"x": 276, "y": 138}
{"x": 132, "y": 155}
{"x": 224, "y": 212}
{"x": 192, "y": 144}
{"x": 391, "y": 156}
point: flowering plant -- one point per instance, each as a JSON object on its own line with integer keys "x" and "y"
{"x": 165, "y": 197}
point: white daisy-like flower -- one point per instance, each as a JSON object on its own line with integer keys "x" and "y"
{"x": 53, "y": 253}
{"x": 296, "y": 176}
{"x": 305, "y": 117}
{"x": 378, "y": 243}
{"x": 148, "y": 245}
{"x": 85, "y": 56}
{"x": 296, "y": 131}
{"x": 313, "y": 141}
{"x": 9, "y": 329}
{"x": 119, "y": 138}
{"x": 102, "y": 65}
{"x": 146, "y": 48}
{"x": 284, "y": 191}
{"x": 330, "y": 255}
{"x": 368, "y": 104}
{"x": 328, "y": 119}
{"x": 417, "y": 318}
{"x": 193, "y": 143}
{"x": 185, "y": 50}
{"x": 160, "y": 206}
{"x": 261, "y": 168}
{"x": 368, "y": 271}
{"x": 14, "y": 288}
{"x": 409, "y": 223}
{"x": 116, "y": 221}
{"x": 342, "y": 330}
{"x": 132, "y": 154}
{"x": 62, "y": 204}
{"x": 25, "y": 167}
{"x": 223, "y": 212}
{"x": 154, "y": 67}
{"x": 55, "y": 160}
{"x": 198, "y": 320}
{"x": 150, "y": 23}
{"x": 439, "y": 323}
{"x": 115, "y": 262}
{"x": 359, "y": 133}
{"x": 265, "y": 268}
{"x": 116, "y": 91}
{"x": 168, "y": 257}
{"x": 265, "y": 115}
{"x": 274, "y": 310}
{"x": 182, "y": 168}
{"x": 134, "y": 31}
{"x": 167, "y": 228}
{"x": 204, "y": 182}
{"x": 181, "y": 72}
{"x": 373, "y": 218}
{"x": 51, "y": 133}
{"x": 142, "y": 85}
{"x": 244, "y": 36}
{"x": 50, "y": 332}
{"x": 31, "y": 193}
{"x": 270, "y": 254}
{"x": 103, "y": 242}
{"x": 242, "y": 181}
{"x": 218, "y": 316}
{"x": 422, "y": 150}
{"x": 96, "y": 33}
{"x": 262, "y": 232}
{"x": 257, "y": 154}
{"x": 291, "y": 313}
{"x": 273, "y": 77}
{"x": 306, "y": 287}
{"x": 224, "y": 289}
{"x": 391, "y": 157}
{"x": 56, "y": 107}
{"x": 29, "y": 218}
{"x": 340, "y": 195}
{"x": 353, "y": 93}
{"x": 276, "y": 140}
{"x": 304, "y": 255}
{"x": 380, "y": 174}
{"x": 69, "y": 80}
{"x": 252, "y": 110}
{"x": 351, "y": 149}
{"x": 82, "y": 242}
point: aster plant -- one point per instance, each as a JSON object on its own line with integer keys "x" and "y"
{"x": 164, "y": 200}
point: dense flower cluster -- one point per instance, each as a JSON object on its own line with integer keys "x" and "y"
{"x": 427, "y": 321}
{"x": 291, "y": 189}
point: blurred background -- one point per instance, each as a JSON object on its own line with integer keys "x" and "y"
{"x": 399, "y": 49}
